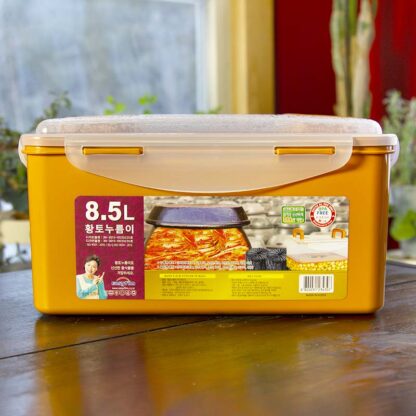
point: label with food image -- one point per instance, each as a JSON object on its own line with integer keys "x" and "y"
{"x": 221, "y": 247}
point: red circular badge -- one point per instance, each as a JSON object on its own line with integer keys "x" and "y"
{"x": 322, "y": 214}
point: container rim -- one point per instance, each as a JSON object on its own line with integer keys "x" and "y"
{"x": 195, "y": 139}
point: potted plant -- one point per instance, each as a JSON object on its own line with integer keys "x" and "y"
{"x": 13, "y": 188}
{"x": 14, "y": 223}
{"x": 400, "y": 119}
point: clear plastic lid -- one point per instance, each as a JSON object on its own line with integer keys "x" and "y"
{"x": 208, "y": 153}
{"x": 209, "y": 123}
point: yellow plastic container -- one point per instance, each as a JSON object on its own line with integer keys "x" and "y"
{"x": 93, "y": 175}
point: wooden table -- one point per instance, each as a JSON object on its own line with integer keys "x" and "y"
{"x": 208, "y": 365}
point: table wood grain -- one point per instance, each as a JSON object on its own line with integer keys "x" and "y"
{"x": 208, "y": 365}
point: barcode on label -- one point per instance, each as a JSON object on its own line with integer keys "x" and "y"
{"x": 316, "y": 283}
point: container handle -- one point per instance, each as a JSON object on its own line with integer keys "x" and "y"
{"x": 298, "y": 232}
{"x": 88, "y": 151}
{"x": 310, "y": 150}
{"x": 336, "y": 231}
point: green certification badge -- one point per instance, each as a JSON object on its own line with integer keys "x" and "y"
{"x": 293, "y": 215}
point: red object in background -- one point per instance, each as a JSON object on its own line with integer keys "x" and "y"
{"x": 305, "y": 81}
{"x": 393, "y": 56}
{"x": 392, "y": 244}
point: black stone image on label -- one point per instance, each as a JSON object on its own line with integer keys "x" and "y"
{"x": 266, "y": 259}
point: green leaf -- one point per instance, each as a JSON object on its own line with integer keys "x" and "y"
{"x": 116, "y": 107}
{"x": 119, "y": 108}
{"x": 146, "y": 99}
{"x": 13, "y": 175}
{"x": 21, "y": 173}
{"x": 404, "y": 227}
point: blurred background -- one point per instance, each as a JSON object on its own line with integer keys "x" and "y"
{"x": 340, "y": 57}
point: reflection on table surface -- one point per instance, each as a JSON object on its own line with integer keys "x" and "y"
{"x": 256, "y": 365}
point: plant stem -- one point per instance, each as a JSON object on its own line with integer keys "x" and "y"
{"x": 347, "y": 61}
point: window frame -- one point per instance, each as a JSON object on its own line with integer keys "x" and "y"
{"x": 241, "y": 76}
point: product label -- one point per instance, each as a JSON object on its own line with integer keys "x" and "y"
{"x": 109, "y": 241}
{"x": 212, "y": 248}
